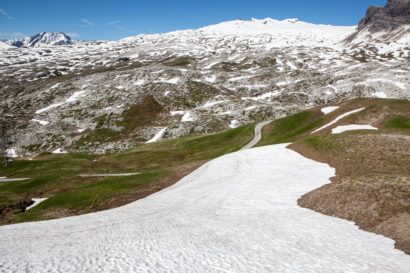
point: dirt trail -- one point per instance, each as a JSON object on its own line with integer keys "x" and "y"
{"x": 257, "y": 134}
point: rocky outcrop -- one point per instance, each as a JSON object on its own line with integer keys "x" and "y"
{"x": 395, "y": 14}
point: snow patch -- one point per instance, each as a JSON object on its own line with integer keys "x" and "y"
{"x": 158, "y": 136}
{"x": 74, "y": 97}
{"x": 188, "y": 117}
{"x": 212, "y": 103}
{"x": 139, "y": 82}
{"x": 263, "y": 96}
{"x": 352, "y": 127}
{"x": 210, "y": 79}
{"x": 11, "y": 153}
{"x": 59, "y": 151}
{"x": 37, "y": 201}
{"x": 329, "y": 109}
{"x": 337, "y": 119}
{"x": 380, "y": 95}
{"x": 177, "y": 113}
{"x": 55, "y": 86}
{"x": 171, "y": 81}
{"x": 42, "y": 122}
{"x": 234, "y": 124}
{"x": 250, "y": 108}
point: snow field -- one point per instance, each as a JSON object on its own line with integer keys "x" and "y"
{"x": 237, "y": 213}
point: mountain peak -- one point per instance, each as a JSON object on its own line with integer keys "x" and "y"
{"x": 269, "y": 26}
{"x": 395, "y": 14}
{"x": 44, "y": 39}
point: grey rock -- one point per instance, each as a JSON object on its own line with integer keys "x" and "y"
{"x": 395, "y": 14}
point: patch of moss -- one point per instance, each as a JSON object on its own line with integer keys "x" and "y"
{"x": 399, "y": 122}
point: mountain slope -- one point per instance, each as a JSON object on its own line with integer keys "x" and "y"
{"x": 57, "y": 176}
{"x": 266, "y": 33}
{"x": 189, "y": 82}
{"x": 236, "y": 213}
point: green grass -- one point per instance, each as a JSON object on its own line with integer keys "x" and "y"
{"x": 56, "y": 176}
{"x": 289, "y": 129}
{"x": 399, "y": 122}
{"x": 79, "y": 199}
{"x": 322, "y": 144}
{"x": 389, "y": 114}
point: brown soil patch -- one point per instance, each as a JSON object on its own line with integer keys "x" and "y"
{"x": 19, "y": 206}
{"x": 372, "y": 183}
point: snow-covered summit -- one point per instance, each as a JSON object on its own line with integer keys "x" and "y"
{"x": 268, "y": 32}
{"x": 44, "y": 39}
{"x": 272, "y": 26}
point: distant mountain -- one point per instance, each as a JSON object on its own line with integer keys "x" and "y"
{"x": 254, "y": 33}
{"x": 43, "y": 39}
{"x": 4, "y": 45}
{"x": 111, "y": 95}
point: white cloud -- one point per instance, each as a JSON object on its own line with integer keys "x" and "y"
{"x": 4, "y": 13}
{"x": 11, "y": 35}
{"x": 73, "y": 34}
{"x": 88, "y": 22}
{"x": 112, "y": 23}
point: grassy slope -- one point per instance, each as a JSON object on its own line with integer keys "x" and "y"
{"x": 372, "y": 186}
{"x": 56, "y": 176}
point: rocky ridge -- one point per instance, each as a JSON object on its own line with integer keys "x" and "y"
{"x": 395, "y": 14}
{"x": 43, "y": 39}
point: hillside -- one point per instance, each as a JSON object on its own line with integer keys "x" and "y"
{"x": 239, "y": 212}
{"x": 257, "y": 145}
{"x": 83, "y": 97}
{"x": 372, "y": 182}
{"x": 69, "y": 183}
{"x": 370, "y": 186}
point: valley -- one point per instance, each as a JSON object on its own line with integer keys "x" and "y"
{"x": 250, "y": 145}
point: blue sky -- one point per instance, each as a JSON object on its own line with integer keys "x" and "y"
{"x": 111, "y": 20}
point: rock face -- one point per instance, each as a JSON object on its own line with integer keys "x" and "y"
{"x": 395, "y": 14}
